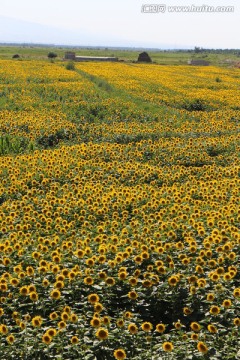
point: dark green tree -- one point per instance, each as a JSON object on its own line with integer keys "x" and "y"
{"x": 197, "y": 49}
{"x": 52, "y": 55}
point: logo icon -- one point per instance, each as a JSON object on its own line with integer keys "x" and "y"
{"x": 153, "y": 8}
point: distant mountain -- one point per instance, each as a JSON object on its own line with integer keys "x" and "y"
{"x": 15, "y": 30}
{"x": 19, "y": 31}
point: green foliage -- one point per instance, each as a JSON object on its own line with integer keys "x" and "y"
{"x": 70, "y": 65}
{"x": 195, "y": 105}
{"x": 197, "y": 50}
{"x": 51, "y": 140}
{"x": 52, "y": 55}
{"x": 101, "y": 83}
{"x": 215, "y": 150}
{"x": 216, "y": 56}
{"x": 14, "y": 145}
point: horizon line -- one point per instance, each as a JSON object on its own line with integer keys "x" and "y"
{"x": 40, "y": 44}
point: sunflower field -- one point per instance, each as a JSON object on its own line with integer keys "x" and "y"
{"x": 119, "y": 211}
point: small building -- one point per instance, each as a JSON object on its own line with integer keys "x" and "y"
{"x": 144, "y": 57}
{"x": 69, "y": 55}
{"x": 198, "y": 62}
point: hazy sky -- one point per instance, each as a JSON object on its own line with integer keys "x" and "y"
{"x": 119, "y": 23}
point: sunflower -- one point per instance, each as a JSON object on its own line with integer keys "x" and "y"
{"x": 138, "y": 259}
{"x": 119, "y": 354}
{"x": 120, "y": 323}
{"x": 226, "y": 303}
{"x": 90, "y": 262}
{"x": 27, "y": 317}
{"x": 51, "y": 332}
{"x": 59, "y": 284}
{"x": 33, "y": 296}
{"x": 133, "y": 281}
{"x": 137, "y": 272}
{"x": 132, "y": 328}
{"x": 122, "y": 275}
{"x": 14, "y": 281}
{"x": 10, "y": 339}
{"x": 24, "y": 290}
{"x": 37, "y": 321}
{"x": 73, "y": 318}
{"x": 147, "y": 283}
{"x": 236, "y": 321}
{"x": 55, "y": 294}
{"x": 173, "y": 280}
{"x": 95, "y": 322}
{"x": 102, "y": 334}
{"x": 22, "y": 325}
{"x": 210, "y": 297}
{"x": 212, "y": 329}
{"x": 67, "y": 309}
{"x": 146, "y": 326}
{"x": 102, "y": 275}
{"x": 88, "y": 280}
{"x": 201, "y": 283}
{"x": 3, "y": 329}
{"x": 79, "y": 253}
{"x": 71, "y": 275}
{"x": 236, "y": 292}
{"x": 160, "y": 328}
{"x": 15, "y": 315}
{"x": 219, "y": 288}
{"x": 98, "y": 307}
{"x": 195, "y": 326}
{"x": 74, "y": 340}
{"x": 62, "y": 324}
{"x": 110, "y": 281}
{"x": 194, "y": 336}
{"x": 227, "y": 276}
{"x": 167, "y": 346}
{"x": 202, "y": 347}
{"x": 132, "y": 295}
{"x": 187, "y": 311}
{"x": 193, "y": 290}
{"x": 214, "y": 310}
{"x": 178, "y": 325}
{"x": 65, "y": 316}
{"x": 106, "y": 320}
{"x": 192, "y": 279}
{"x": 45, "y": 282}
{"x": 93, "y": 298}
{"x": 199, "y": 269}
{"x": 46, "y": 339}
{"x": 53, "y": 316}
{"x": 30, "y": 270}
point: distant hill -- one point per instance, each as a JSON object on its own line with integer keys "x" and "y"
{"x": 14, "y": 30}
{"x": 19, "y": 31}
